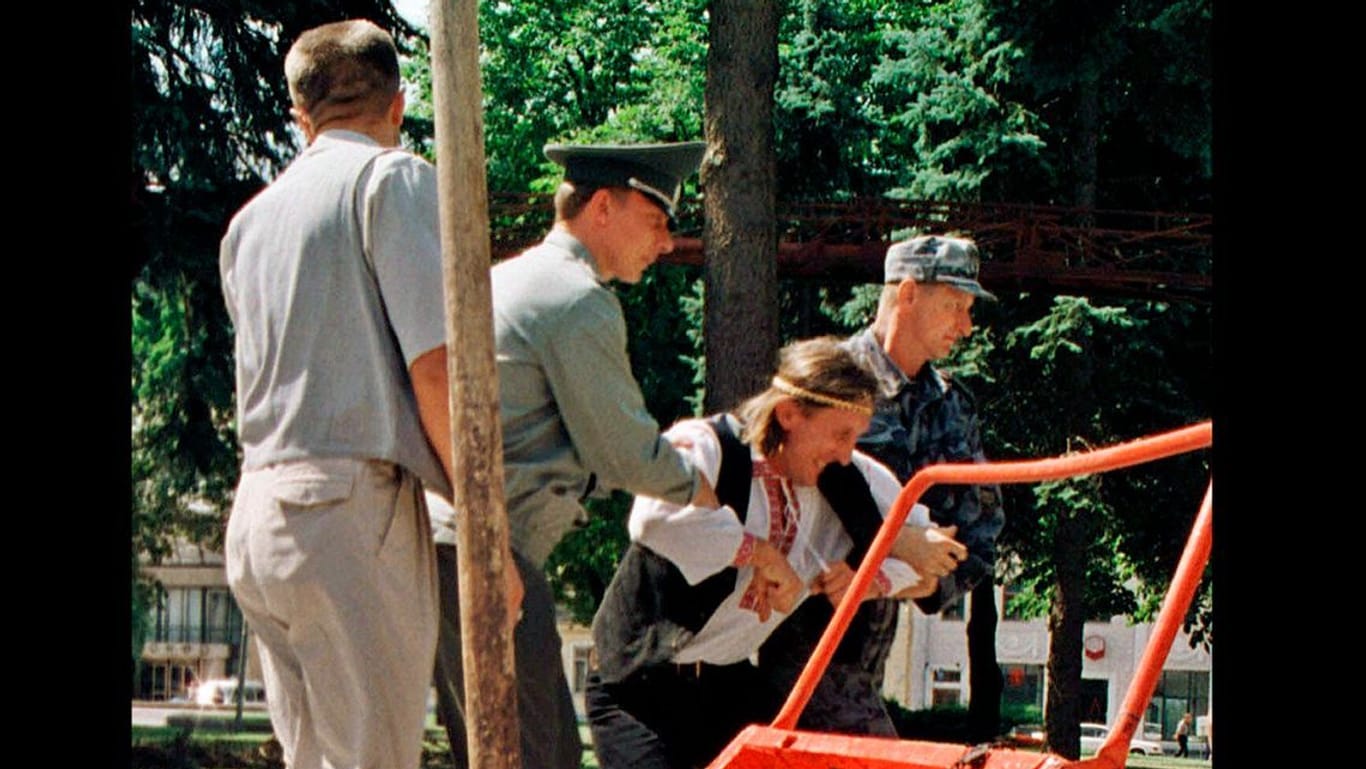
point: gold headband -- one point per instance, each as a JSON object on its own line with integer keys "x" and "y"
{"x": 784, "y": 386}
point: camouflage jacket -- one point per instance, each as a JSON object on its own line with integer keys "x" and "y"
{"x": 921, "y": 421}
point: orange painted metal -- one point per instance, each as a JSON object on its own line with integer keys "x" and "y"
{"x": 764, "y": 747}
{"x": 781, "y": 745}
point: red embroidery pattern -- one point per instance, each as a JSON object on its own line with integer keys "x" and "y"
{"x": 883, "y": 582}
{"x": 784, "y": 514}
{"x": 746, "y": 551}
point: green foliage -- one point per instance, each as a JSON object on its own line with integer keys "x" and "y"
{"x": 824, "y": 136}
{"x": 1149, "y": 65}
{"x": 939, "y": 88}
{"x": 1076, "y": 376}
{"x": 582, "y": 564}
{"x": 956, "y": 99}
{"x": 183, "y": 452}
{"x": 585, "y": 70}
{"x": 1014, "y": 713}
{"x": 942, "y": 723}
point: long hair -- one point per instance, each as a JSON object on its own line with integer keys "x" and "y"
{"x": 819, "y": 366}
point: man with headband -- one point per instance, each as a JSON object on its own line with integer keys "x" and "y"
{"x": 702, "y": 586}
{"x": 921, "y": 417}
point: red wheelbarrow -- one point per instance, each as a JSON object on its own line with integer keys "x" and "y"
{"x": 781, "y": 746}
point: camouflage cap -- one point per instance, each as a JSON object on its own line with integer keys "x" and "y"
{"x": 936, "y": 259}
{"x": 656, "y": 170}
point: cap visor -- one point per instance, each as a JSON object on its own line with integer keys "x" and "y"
{"x": 970, "y": 286}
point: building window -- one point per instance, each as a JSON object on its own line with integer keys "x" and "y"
{"x": 198, "y": 615}
{"x": 1023, "y": 684}
{"x": 946, "y": 686}
{"x": 222, "y": 619}
{"x": 180, "y": 615}
{"x": 581, "y": 658}
{"x": 944, "y": 698}
{"x": 1178, "y": 692}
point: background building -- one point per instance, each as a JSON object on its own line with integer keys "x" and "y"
{"x": 928, "y": 665}
{"x": 195, "y": 627}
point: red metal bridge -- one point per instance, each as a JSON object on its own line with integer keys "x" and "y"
{"x": 1142, "y": 254}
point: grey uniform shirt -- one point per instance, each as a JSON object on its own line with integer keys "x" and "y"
{"x": 332, "y": 277}
{"x": 573, "y": 418}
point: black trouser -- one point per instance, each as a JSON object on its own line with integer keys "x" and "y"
{"x": 545, "y": 709}
{"x": 848, "y": 696}
{"x": 672, "y": 716}
{"x": 1181, "y": 740}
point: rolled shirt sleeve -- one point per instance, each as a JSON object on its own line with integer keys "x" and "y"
{"x": 885, "y": 489}
{"x": 676, "y": 531}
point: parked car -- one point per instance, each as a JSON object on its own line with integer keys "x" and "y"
{"x": 1093, "y": 735}
{"x": 1025, "y": 735}
{"x": 223, "y": 692}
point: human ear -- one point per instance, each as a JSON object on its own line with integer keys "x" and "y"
{"x": 788, "y": 412}
{"x": 906, "y": 293}
{"x": 304, "y": 122}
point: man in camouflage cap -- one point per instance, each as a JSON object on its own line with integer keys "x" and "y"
{"x": 573, "y": 419}
{"x": 921, "y": 417}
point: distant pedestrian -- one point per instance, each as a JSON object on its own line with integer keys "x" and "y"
{"x": 1183, "y": 731}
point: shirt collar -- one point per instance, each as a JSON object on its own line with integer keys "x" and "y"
{"x": 344, "y": 135}
{"x": 573, "y": 245}
{"x": 891, "y": 380}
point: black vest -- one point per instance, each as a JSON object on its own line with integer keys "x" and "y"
{"x": 649, "y": 611}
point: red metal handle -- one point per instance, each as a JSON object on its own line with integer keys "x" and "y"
{"x": 1112, "y": 458}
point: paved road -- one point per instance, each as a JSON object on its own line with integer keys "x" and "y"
{"x": 147, "y": 715}
{"x": 153, "y": 714}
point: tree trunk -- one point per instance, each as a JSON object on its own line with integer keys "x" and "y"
{"x": 985, "y": 681}
{"x": 740, "y": 237}
{"x": 1066, "y": 621}
{"x": 1086, "y": 161}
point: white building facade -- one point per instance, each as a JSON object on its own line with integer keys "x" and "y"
{"x": 928, "y": 666}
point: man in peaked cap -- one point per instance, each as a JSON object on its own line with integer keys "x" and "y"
{"x": 921, "y": 416}
{"x": 573, "y": 419}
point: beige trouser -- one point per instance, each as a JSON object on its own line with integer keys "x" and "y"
{"x": 331, "y": 562}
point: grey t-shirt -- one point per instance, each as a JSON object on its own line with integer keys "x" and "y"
{"x": 332, "y": 277}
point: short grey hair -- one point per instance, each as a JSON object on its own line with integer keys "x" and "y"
{"x": 342, "y": 70}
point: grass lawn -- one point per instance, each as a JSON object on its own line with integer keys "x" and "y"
{"x": 167, "y": 747}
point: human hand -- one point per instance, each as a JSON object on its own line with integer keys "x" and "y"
{"x": 930, "y": 550}
{"x": 834, "y": 582}
{"x": 925, "y": 587}
{"x": 776, "y": 585}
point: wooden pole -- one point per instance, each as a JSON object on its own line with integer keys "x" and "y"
{"x": 482, "y": 543}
